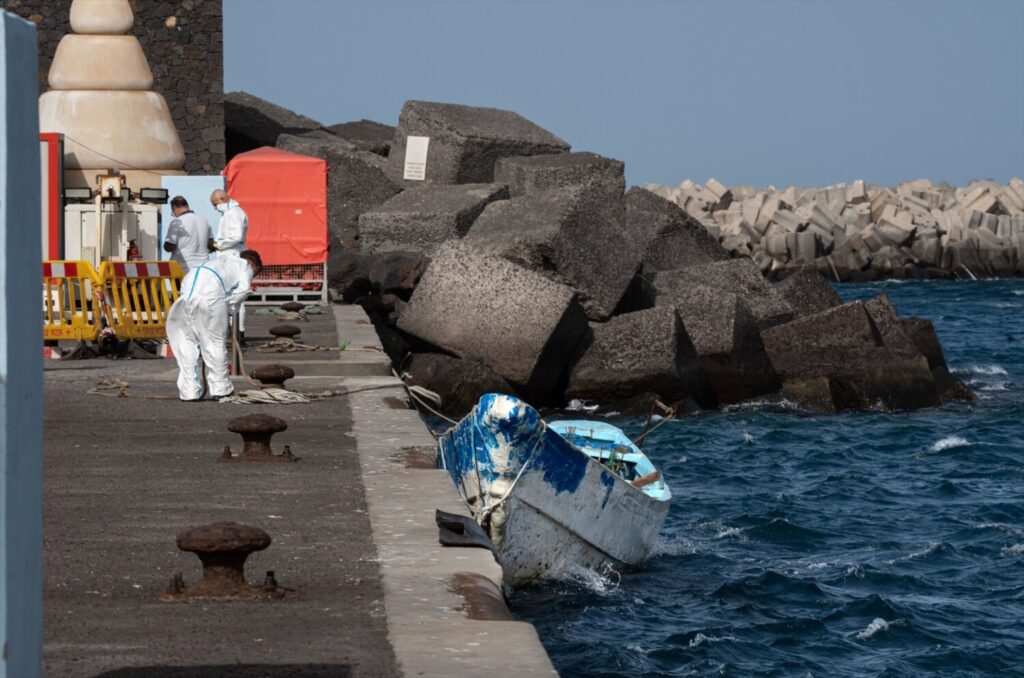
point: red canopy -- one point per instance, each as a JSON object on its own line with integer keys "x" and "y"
{"x": 285, "y": 196}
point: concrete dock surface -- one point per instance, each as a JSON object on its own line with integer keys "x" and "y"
{"x": 370, "y": 591}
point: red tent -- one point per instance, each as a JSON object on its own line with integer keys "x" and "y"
{"x": 285, "y": 197}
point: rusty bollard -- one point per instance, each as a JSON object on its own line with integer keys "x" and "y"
{"x": 256, "y": 431}
{"x": 292, "y": 306}
{"x": 223, "y": 549}
{"x": 272, "y": 376}
{"x": 285, "y": 331}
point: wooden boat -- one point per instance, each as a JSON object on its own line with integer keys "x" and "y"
{"x": 554, "y": 495}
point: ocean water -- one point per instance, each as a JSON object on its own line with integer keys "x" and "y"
{"x": 877, "y": 543}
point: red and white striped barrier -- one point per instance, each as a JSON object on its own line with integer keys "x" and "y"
{"x": 151, "y": 269}
{"x": 51, "y": 353}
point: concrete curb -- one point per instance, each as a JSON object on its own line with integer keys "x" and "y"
{"x": 434, "y": 629}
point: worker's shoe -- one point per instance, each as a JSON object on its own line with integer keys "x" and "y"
{"x": 222, "y": 397}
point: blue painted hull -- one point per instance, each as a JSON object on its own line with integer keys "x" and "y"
{"x": 547, "y": 504}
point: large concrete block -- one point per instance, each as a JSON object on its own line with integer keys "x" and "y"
{"x": 741, "y": 277}
{"x": 574, "y": 235}
{"x": 251, "y": 122}
{"x": 459, "y": 382}
{"x": 725, "y": 335}
{"x": 366, "y": 135}
{"x": 356, "y": 180}
{"x": 807, "y": 292}
{"x": 528, "y": 174}
{"x": 466, "y": 141}
{"x": 519, "y": 323}
{"x": 423, "y": 218}
{"x": 669, "y": 237}
{"x": 644, "y": 352}
{"x": 888, "y": 327}
{"x": 842, "y": 345}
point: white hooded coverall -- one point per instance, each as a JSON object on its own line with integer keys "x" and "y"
{"x": 230, "y": 240}
{"x": 197, "y": 323}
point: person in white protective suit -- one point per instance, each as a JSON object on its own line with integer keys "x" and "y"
{"x": 230, "y": 240}
{"x": 197, "y": 323}
{"x": 187, "y": 235}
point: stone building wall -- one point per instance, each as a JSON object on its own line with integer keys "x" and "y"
{"x": 183, "y": 42}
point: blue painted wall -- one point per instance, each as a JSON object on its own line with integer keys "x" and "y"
{"x": 21, "y": 356}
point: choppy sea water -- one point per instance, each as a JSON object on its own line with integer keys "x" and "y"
{"x": 878, "y": 543}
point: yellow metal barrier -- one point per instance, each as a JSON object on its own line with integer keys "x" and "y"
{"x": 70, "y": 306}
{"x": 136, "y": 296}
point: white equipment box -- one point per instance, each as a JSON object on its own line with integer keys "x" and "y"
{"x": 121, "y": 223}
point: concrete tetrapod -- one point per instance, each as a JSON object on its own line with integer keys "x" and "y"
{"x": 223, "y": 549}
{"x": 256, "y": 431}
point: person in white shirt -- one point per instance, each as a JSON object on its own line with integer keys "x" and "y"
{"x": 230, "y": 240}
{"x": 197, "y": 322}
{"x": 187, "y": 235}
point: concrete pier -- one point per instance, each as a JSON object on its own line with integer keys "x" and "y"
{"x": 352, "y": 523}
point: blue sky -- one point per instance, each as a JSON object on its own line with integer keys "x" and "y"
{"x": 775, "y": 92}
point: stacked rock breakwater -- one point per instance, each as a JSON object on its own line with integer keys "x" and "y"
{"x": 518, "y": 265}
{"x": 856, "y": 232}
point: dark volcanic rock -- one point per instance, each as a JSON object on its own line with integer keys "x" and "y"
{"x": 356, "y": 180}
{"x": 366, "y": 135}
{"x": 725, "y": 335}
{"x": 251, "y": 122}
{"x": 466, "y": 141}
{"x": 459, "y": 382}
{"x": 529, "y": 174}
{"x": 425, "y": 217}
{"x": 807, "y": 292}
{"x": 519, "y": 323}
{"x": 844, "y": 346}
{"x": 348, "y": 273}
{"x": 573, "y": 235}
{"x": 669, "y": 237}
{"x": 736, "y": 276}
{"x": 396, "y": 273}
{"x": 646, "y": 351}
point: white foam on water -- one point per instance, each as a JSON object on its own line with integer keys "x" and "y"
{"x": 1015, "y": 550}
{"x": 700, "y": 639}
{"x": 638, "y": 649}
{"x": 989, "y": 370}
{"x": 747, "y": 437}
{"x": 729, "y": 532}
{"x": 1019, "y": 293}
{"x": 948, "y": 442}
{"x": 927, "y": 551}
{"x": 819, "y": 566}
{"x": 878, "y": 624}
{"x": 673, "y": 547}
{"x": 855, "y": 571}
{"x": 602, "y": 583}
{"x": 1002, "y": 527}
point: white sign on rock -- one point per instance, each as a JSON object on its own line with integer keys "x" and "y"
{"x": 416, "y": 158}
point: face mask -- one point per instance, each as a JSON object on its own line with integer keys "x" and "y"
{"x": 221, "y": 207}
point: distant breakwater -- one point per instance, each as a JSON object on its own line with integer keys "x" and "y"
{"x": 857, "y": 232}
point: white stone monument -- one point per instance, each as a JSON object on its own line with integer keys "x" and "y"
{"x": 21, "y": 358}
{"x": 101, "y": 99}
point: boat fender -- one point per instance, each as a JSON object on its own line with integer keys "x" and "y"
{"x": 457, "y": 530}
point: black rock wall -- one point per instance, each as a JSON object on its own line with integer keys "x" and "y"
{"x": 183, "y": 43}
